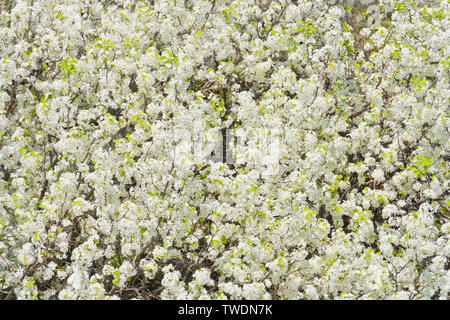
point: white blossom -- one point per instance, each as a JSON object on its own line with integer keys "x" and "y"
{"x": 224, "y": 150}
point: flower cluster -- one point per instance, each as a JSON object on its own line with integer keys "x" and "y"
{"x": 244, "y": 149}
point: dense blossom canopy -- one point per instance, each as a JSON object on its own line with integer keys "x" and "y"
{"x": 212, "y": 149}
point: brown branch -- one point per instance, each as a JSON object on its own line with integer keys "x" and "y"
{"x": 277, "y": 20}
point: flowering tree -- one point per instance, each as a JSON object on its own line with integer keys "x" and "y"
{"x": 216, "y": 149}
